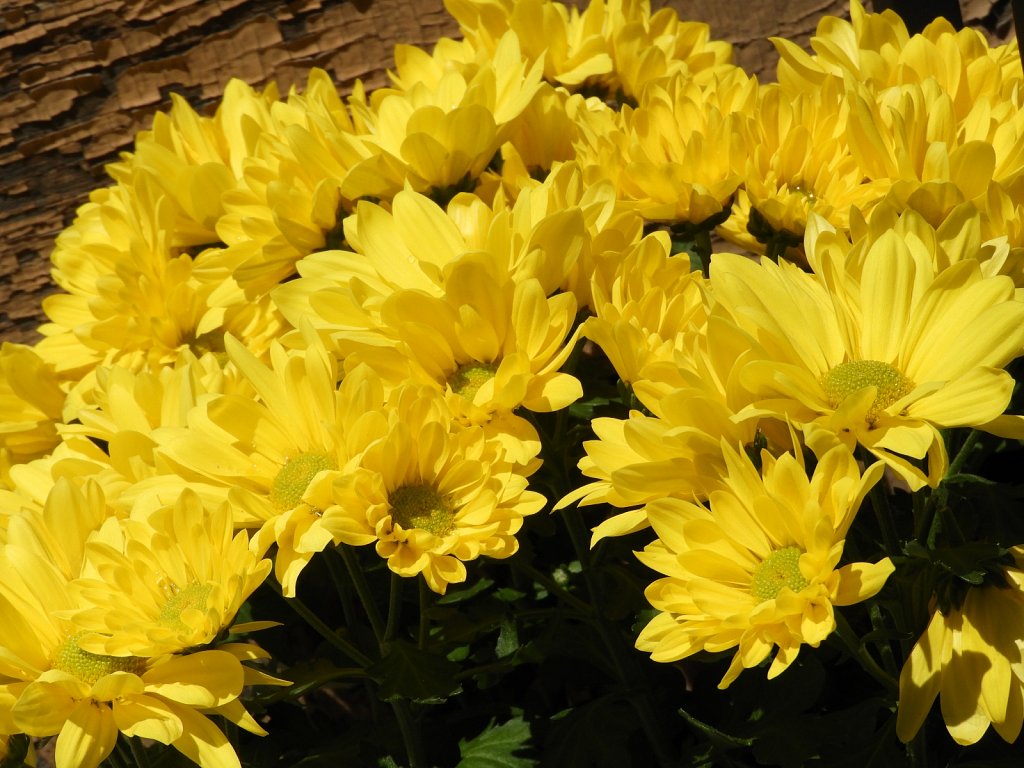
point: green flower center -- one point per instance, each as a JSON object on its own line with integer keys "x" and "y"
{"x": 849, "y": 378}
{"x": 90, "y": 667}
{"x": 420, "y": 506}
{"x": 295, "y": 476}
{"x": 195, "y": 595}
{"x": 468, "y": 379}
{"x": 781, "y": 569}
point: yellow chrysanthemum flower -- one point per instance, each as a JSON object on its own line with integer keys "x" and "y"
{"x": 867, "y": 351}
{"x": 758, "y": 569}
{"x": 430, "y": 493}
{"x": 130, "y": 288}
{"x": 31, "y": 404}
{"x": 438, "y": 133}
{"x": 970, "y": 656}
{"x": 798, "y": 162}
{"x": 165, "y": 584}
{"x": 417, "y": 243}
{"x": 648, "y": 306}
{"x": 261, "y": 453}
{"x": 488, "y": 345}
{"x": 288, "y": 201}
{"x": 614, "y": 49}
{"x": 876, "y": 50}
{"x": 675, "y": 159}
{"x": 50, "y": 686}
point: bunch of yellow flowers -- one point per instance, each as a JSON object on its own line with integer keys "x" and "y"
{"x": 311, "y": 323}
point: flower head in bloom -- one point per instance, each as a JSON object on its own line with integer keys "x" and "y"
{"x": 758, "y": 569}
{"x": 676, "y": 157}
{"x": 868, "y": 350}
{"x": 263, "y": 451}
{"x": 31, "y": 401}
{"x": 51, "y": 686}
{"x": 971, "y": 657}
{"x": 430, "y": 493}
{"x": 611, "y": 48}
{"x": 168, "y": 583}
{"x": 489, "y": 344}
{"x": 797, "y": 162}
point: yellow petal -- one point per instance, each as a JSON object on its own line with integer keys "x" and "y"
{"x": 859, "y": 581}
{"x": 87, "y": 737}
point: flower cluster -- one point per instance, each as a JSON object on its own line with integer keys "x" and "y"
{"x": 313, "y": 323}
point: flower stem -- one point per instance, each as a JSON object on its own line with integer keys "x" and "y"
{"x": 858, "y": 651}
{"x": 624, "y": 664}
{"x": 960, "y": 460}
{"x": 551, "y": 586}
{"x": 322, "y": 629}
{"x": 394, "y": 606}
{"x": 883, "y": 514}
{"x": 139, "y": 754}
{"x": 363, "y": 591}
{"x": 403, "y": 712}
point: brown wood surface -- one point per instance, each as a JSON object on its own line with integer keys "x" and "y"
{"x": 78, "y": 79}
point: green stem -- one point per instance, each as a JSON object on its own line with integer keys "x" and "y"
{"x": 410, "y": 733}
{"x": 362, "y": 591}
{"x": 322, "y": 629}
{"x": 624, "y": 664}
{"x": 552, "y": 586}
{"x": 403, "y": 713}
{"x": 884, "y": 647}
{"x": 139, "y": 754}
{"x": 858, "y": 651}
{"x": 423, "y": 633}
{"x": 115, "y": 759}
{"x": 394, "y": 606}
{"x": 883, "y": 514}
{"x": 960, "y": 460}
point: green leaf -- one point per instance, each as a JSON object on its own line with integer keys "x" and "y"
{"x": 407, "y": 672}
{"x": 496, "y": 747}
{"x": 508, "y": 640}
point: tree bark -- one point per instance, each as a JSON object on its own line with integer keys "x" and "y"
{"x": 79, "y": 78}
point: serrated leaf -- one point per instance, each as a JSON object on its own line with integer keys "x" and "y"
{"x": 508, "y": 640}
{"x": 496, "y": 746}
{"x": 409, "y": 673}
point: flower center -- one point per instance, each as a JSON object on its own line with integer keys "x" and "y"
{"x": 849, "y": 378}
{"x": 90, "y": 667}
{"x": 295, "y": 476}
{"x": 195, "y": 595}
{"x": 468, "y": 379}
{"x": 781, "y": 569}
{"x": 420, "y": 506}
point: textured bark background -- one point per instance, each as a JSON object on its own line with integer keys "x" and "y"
{"x": 78, "y": 79}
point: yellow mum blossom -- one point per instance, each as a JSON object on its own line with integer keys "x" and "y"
{"x": 758, "y": 570}
{"x": 430, "y": 492}
{"x": 50, "y": 686}
{"x": 413, "y": 246}
{"x": 261, "y": 453}
{"x": 868, "y": 352}
{"x": 489, "y": 345}
{"x": 288, "y": 202}
{"x": 876, "y": 50}
{"x": 648, "y": 306}
{"x": 168, "y": 583}
{"x": 31, "y": 402}
{"x": 437, "y": 136}
{"x": 129, "y": 288}
{"x": 797, "y": 162}
{"x": 676, "y": 157}
{"x": 970, "y": 657}
{"x": 610, "y": 48}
